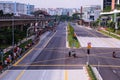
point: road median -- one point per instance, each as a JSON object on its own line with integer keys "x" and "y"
{"x": 71, "y": 37}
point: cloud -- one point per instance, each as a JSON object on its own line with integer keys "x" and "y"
{"x": 60, "y": 3}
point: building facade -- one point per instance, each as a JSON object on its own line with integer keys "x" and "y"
{"x": 91, "y": 13}
{"x": 16, "y": 8}
{"x": 110, "y": 2}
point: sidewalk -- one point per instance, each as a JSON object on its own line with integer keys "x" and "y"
{"x": 24, "y": 40}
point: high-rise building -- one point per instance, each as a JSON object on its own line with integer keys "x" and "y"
{"x": 16, "y": 8}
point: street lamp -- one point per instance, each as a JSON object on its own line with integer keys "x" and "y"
{"x": 115, "y": 15}
{"x": 13, "y": 33}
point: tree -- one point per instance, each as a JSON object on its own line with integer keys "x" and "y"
{"x": 40, "y": 12}
{"x": 75, "y": 16}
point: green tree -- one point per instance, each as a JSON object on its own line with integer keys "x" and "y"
{"x": 75, "y": 16}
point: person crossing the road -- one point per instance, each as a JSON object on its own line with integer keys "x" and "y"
{"x": 114, "y": 55}
{"x": 72, "y": 53}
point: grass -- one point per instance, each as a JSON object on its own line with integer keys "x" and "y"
{"x": 91, "y": 73}
{"x": 109, "y": 34}
{"x": 72, "y": 39}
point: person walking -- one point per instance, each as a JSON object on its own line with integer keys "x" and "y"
{"x": 69, "y": 53}
{"x": 114, "y": 55}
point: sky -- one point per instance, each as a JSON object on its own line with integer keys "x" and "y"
{"x": 60, "y": 3}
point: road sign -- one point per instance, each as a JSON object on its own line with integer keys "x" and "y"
{"x": 89, "y": 45}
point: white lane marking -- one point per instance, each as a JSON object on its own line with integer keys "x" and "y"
{"x": 114, "y": 71}
{"x": 43, "y": 75}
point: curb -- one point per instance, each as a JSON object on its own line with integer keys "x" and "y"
{"x": 97, "y": 74}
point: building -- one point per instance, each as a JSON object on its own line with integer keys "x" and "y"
{"x": 91, "y": 13}
{"x": 107, "y": 3}
{"x": 30, "y": 9}
{"x": 110, "y": 3}
{"x": 16, "y": 8}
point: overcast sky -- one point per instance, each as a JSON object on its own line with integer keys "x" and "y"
{"x": 60, "y": 3}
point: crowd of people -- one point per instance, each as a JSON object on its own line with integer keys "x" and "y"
{"x": 13, "y": 55}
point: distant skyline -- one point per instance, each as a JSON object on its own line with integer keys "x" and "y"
{"x": 60, "y": 3}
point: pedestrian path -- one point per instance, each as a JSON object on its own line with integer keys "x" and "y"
{"x": 72, "y": 74}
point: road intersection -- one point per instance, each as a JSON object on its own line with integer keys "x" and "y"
{"x": 49, "y": 59}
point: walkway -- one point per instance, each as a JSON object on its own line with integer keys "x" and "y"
{"x": 77, "y": 74}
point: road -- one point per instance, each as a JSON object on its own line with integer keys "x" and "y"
{"x": 101, "y": 57}
{"x": 49, "y": 59}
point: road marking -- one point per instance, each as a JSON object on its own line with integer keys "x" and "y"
{"x": 107, "y": 66}
{"x": 52, "y": 60}
{"x": 108, "y": 57}
{"x": 60, "y": 48}
{"x": 114, "y": 71}
{"x": 22, "y": 57}
{"x": 68, "y": 65}
{"x": 43, "y": 75}
{"x": 51, "y": 65}
{"x": 66, "y": 75}
{"x": 31, "y": 50}
{"x": 20, "y": 75}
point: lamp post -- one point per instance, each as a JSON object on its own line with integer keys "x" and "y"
{"x": 13, "y": 34}
{"x": 115, "y": 20}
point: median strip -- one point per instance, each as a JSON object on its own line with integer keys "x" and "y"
{"x": 91, "y": 73}
{"x": 71, "y": 37}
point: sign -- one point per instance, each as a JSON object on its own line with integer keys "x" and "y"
{"x": 89, "y": 45}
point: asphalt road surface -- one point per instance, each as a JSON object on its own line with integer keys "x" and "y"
{"x": 108, "y": 66}
{"x": 54, "y": 56}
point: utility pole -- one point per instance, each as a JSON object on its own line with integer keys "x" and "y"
{"x": 13, "y": 34}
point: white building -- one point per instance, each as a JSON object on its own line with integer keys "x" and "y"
{"x": 16, "y": 8}
{"x": 91, "y": 13}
